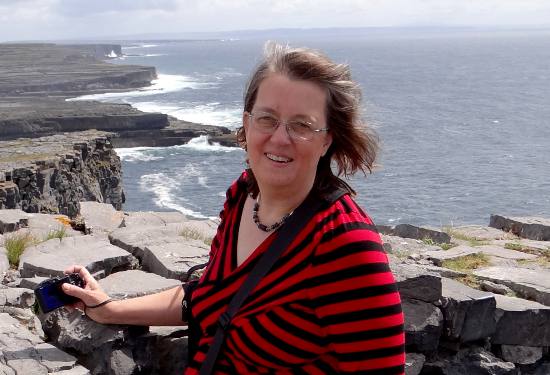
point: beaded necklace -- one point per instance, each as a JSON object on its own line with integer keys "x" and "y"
{"x": 262, "y": 226}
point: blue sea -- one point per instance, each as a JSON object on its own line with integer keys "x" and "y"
{"x": 463, "y": 116}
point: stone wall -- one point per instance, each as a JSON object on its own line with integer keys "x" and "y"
{"x": 53, "y": 174}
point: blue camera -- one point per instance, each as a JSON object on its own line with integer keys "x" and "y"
{"x": 50, "y": 296}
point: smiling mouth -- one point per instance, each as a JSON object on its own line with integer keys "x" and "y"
{"x": 278, "y": 159}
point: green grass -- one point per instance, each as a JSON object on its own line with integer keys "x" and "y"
{"x": 444, "y": 246}
{"x": 60, "y": 233}
{"x": 194, "y": 234}
{"x": 15, "y": 245}
{"x": 472, "y": 241}
{"x": 513, "y": 246}
{"x": 467, "y": 263}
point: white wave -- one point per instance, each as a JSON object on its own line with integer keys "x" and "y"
{"x": 209, "y": 114}
{"x": 202, "y": 144}
{"x": 164, "y": 84}
{"x": 202, "y": 181}
{"x": 147, "y": 55}
{"x": 162, "y": 186}
{"x": 140, "y": 46}
{"x": 112, "y": 54}
{"x": 134, "y": 154}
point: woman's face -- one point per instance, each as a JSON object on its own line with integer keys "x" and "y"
{"x": 277, "y": 160}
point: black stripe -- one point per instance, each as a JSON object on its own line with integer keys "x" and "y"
{"x": 281, "y": 344}
{"x": 396, "y": 370}
{"x": 351, "y": 272}
{"x": 354, "y": 294}
{"x": 295, "y": 330}
{"x": 343, "y": 338}
{"x": 356, "y": 316}
{"x": 347, "y": 227}
{"x": 348, "y": 249}
{"x": 371, "y": 354}
{"x": 259, "y": 351}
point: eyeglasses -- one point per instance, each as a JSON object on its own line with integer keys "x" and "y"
{"x": 297, "y": 129}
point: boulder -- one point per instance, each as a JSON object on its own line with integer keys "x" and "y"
{"x": 12, "y": 220}
{"x": 100, "y": 217}
{"x": 474, "y": 360}
{"x": 495, "y": 288}
{"x": 523, "y": 355}
{"x": 52, "y": 257}
{"x": 16, "y": 297}
{"x": 423, "y": 326}
{"x": 534, "y": 228}
{"x": 415, "y": 282}
{"x": 469, "y": 313}
{"x": 521, "y": 322}
{"x": 411, "y": 231}
{"x": 527, "y": 283}
{"x": 151, "y": 219}
{"x": 136, "y": 239}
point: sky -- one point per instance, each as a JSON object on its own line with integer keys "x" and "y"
{"x": 75, "y": 19}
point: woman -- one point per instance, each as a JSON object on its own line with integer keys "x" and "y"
{"x": 329, "y": 304}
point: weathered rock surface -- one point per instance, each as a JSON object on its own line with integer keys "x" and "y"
{"x": 471, "y": 361}
{"x": 25, "y": 353}
{"x": 531, "y": 284}
{"x": 523, "y": 355}
{"x": 411, "y": 231}
{"x": 415, "y": 283}
{"x": 529, "y": 321}
{"x": 469, "y": 313}
{"x": 52, "y": 174}
{"x": 12, "y": 220}
{"x": 534, "y": 228}
{"x": 52, "y": 257}
{"x": 423, "y": 326}
{"x": 439, "y": 256}
{"x": 135, "y": 283}
{"x": 174, "y": 260}
{"x": 100, "y": 217}
{"x": 481, "y": 233}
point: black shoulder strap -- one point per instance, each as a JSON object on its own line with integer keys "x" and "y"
{"x": 286, "y": 234}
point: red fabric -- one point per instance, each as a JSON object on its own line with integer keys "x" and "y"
{"x": 329, "y": 305}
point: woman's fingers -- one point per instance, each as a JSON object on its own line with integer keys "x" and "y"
{"x": 89, "y": 281}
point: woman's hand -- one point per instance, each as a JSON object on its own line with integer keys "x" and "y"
{"x": 90, "y": 295}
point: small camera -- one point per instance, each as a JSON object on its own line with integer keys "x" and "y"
{"x": 50, "y": 296}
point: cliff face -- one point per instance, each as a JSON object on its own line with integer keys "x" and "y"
{"x": 52, "y": 174}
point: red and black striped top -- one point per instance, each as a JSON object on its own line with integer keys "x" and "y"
{"x": 328, "y": 305}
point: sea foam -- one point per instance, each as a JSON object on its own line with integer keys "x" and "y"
{"x": 135, "y": 154}
{"x": 164, "y": 84}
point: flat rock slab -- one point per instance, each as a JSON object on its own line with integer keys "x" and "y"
{"x": 542, "y": 246}
{"x": 135, "y": 283}
{"x": 534, "y": 228}
{"x": 12, "y": 220}
{"x": 406, "y": 246}
{"x": 52, "y": 257}
{"x": 532, "y": 284}
{"x": 100, "y": 217}
{"x": 152, "y": 219}
{"x": 439, "y": 256}
{"x": 25, "y": 353}
{"x": 173, "y": 260}
{"x": 415, "y": 282}
{"x": 482, "y": 233}
{"x": 17, "y": 297}
{"x": 42, "y": 225}
{"x": 521, "y": 322}
{"x": 469, "y": 313}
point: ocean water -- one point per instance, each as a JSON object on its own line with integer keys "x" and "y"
{"x": 463, "y": 117}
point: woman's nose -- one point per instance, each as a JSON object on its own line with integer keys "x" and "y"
{"x": 281, "y": 134}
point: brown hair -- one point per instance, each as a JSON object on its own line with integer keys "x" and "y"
{"x": 354, "y": 146}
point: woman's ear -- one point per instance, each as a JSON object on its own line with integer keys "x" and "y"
{"x": 246, "y": 119}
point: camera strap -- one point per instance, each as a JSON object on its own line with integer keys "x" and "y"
{"x": 287, "y": 232}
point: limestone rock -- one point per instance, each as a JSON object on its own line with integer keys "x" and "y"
{"x": 531, "y": 284}
{"x": 4, "y": 262}
{"x": 411, "y": 231}
{"x": 489, "y": 286}
{"x": 100, "y": 217}
{"x": 521, "y": 322}
{"x": 439, "y": 256}
{"x": 406, "y": 246}
{"x": 482, "y": 233}
{"x": 471, "y": 361}
{"x": 17, "y": 297}
{"x": 12, "y": 220}
{"x": 423, "y": 326}
{"x": 174, "y": 260}
{"x": 414, "y": 363}
{"x": 52, "y": 257}
{"x": 534, "y": 228}
{"x": 151, "y": 219}
{"x": 469, "y": 313}
{"x": 523, "y": 355}
{"x": 135, "y": 283}
{"x": 42, "y": 225}
{"x": 415, "y": 282}
{"x": 136, "y": 239}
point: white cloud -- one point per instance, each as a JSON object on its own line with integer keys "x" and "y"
{"x": 55, "y": 19}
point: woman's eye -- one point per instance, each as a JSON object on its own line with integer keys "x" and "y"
{"x": 300, "y": 126}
